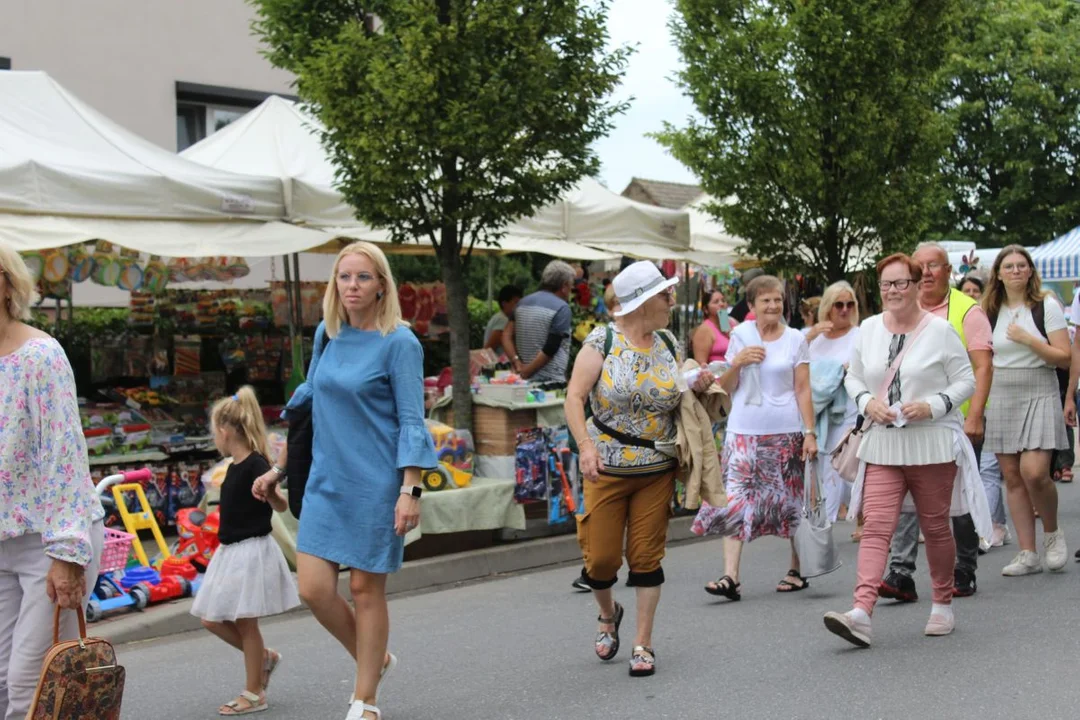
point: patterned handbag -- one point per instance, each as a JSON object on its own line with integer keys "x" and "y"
{"x": 80, "y": 679}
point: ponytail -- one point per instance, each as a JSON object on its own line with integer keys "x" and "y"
{"x": 242, "y": 412}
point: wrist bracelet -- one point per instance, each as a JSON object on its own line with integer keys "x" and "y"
{"x": 278, "y": 469}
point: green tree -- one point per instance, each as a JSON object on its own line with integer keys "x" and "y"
{"x": 449, "y": 118}
{"x": 1012, "y": 89}
{"x": 820, "y": 118}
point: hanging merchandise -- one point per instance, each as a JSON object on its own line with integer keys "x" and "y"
{"x": 60, "y": 290}
{"x": 106, "y": 270}
{"x": 54, "y": 267}
{"x": 81, "y": 263}
{"x": 35, "y": 263}
{"x": 530, "y": 465}
{"x": 237, "y": 267}
{"x": 155, "y": 276}
{"x": 178, "y": 268}
{"x": 141, "y": 309}
{"x": 131, "y": 274}
{"x": 187, "y": 354}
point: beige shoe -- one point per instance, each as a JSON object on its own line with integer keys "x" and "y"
{"x": 940, "y": 624}
{"x": 844, "y": 625}
{"x": 1025, "y": 563}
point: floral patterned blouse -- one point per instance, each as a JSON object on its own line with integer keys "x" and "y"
{"x": 45, "y": 484}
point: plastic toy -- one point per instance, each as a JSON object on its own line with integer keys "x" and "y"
{"x": 142, "y": 519}
{"x": 530, "y": 465}
{"x": 198, "y": 537}
{"x": 454, "y": 449}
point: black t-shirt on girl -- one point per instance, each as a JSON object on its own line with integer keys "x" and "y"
{"x": 243, "y": 515}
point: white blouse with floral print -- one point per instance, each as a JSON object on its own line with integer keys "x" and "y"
{"x": 45, "y": 484}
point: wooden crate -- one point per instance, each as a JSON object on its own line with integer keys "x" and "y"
{"x": 495, "y": 429}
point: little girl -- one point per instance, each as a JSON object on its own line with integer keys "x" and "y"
{"x": 248, "y": 577}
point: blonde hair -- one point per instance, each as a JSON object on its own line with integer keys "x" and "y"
{"x": 23, "y": 292}
{"x": 829, "y": 297}
{"x": 994, "y": 294}
{"x": 242, "y": 413}
{"x": 388, "y": 309}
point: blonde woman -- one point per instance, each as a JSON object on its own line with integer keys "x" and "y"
{"x": 838, "y": 324}
{"x": 370, "y": 442}
{"x": 1023, "y": 416}
{"x": 51, "y": 529}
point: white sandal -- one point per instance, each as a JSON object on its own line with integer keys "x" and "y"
{"x": 386, "y": 670}
{"x": 256, "y": 704}
{"x": 357, "y": 710}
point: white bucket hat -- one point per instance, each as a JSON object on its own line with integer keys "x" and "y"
{"x": 637, "y": 283}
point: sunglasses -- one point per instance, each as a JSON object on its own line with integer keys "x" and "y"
{"x": 839, "y": 305}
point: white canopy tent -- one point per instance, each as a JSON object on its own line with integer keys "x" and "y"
{"x": 1059, "y": 259}
{"x": 710, "y": 242}
{"x": 279, "y": 139}
{"x": 69, "y": 174}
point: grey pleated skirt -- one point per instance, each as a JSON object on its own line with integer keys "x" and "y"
{"x": 1024, "y": 412}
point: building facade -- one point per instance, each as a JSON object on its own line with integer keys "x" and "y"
{"x": 172, "y": 71}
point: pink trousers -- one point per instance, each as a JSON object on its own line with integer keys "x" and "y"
{"x": 884, "y": 489}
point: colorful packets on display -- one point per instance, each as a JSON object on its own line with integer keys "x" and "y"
{"x": 187, "y": 354}
{"x": 530, "y": 465}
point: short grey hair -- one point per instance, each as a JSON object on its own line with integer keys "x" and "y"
{"x": 933, "y": 246}
{"x": 556, "y": 276}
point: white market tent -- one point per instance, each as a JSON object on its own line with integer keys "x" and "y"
{"x": 68, "y": 174}
{"x": 279, "y": 139}
{"x": 1059, "y": 259}
{"x": 710, "y": 242}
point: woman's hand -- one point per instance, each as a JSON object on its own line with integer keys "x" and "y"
{"x": 406, "y": 514}
{"x": 749, "y": 356}
{"x": 1070, "y": 412}
{"x": 809, "y": 447}
{"x": 820, "y": 328}
{"x": 264, "y": 485}
{"x": 704, "y": 380}
{"x": 916, "y": 411}
{"x": 879, "y": 412}
{"x": 65, "y": 584}
{"x": 589, "y": 461}
{"x": 1019, "y": 335}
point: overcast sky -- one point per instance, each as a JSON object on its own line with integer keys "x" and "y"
{"x": 627, "y": 152}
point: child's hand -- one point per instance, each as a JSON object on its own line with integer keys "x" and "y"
{"x": 277, "y": 499}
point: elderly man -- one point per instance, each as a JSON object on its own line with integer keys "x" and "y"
{"x": 537, "y": 338}
{"x": 936, "y": 295}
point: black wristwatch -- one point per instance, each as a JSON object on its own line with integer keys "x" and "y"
{"x": 412, "y": 490}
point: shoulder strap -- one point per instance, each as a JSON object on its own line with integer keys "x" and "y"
{"x": 609, "y": 338}
{"x": 1038, "y": 314}
{"x": 669, "y": 341}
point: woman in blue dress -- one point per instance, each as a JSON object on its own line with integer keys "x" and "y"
{"x": 365, "y": 386}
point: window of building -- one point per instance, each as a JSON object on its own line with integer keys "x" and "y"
{"x": 5, "y": 63}
{"x": 202, "y": 110}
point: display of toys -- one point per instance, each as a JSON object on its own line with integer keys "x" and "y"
{"x": 106, "y": 270}
{"x": 140, "y": 519}
{"x": 131, "y": 274}
{"x": 99, "y": 441}
{"x": 155, "y": 276}
{"x": 530, "y": 465}
{"x": 81, "y": 263}
{"x": 564, "y": 488}
{"x": 455, "y": 451}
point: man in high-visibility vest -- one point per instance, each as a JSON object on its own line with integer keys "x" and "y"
{"x": 936, "y": 295}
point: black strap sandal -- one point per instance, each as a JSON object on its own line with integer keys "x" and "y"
{"x": 786, "y": 586}
{"x": 725, "y": 587}
{"x": 609, "y": 639}
{"x": 642, "y": 656}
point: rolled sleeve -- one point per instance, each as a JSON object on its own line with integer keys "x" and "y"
{"x": 415, "y": 447}
{"x": 977, "y": 331}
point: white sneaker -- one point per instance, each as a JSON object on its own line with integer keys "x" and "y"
{"x": 856, "y": 632}
{"x": 1025, "y": 563}
{"x": 1055, "y": 552}
{"x": 1000, "y": 536}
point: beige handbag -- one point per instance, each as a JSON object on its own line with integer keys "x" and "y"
{"x": 845, "y": 458}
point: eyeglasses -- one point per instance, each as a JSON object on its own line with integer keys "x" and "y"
{"x": 362, "y": 278}
{"x": 898, "y": 284}
{"x": 932, "y": 267}
{"x": 849, "y": 305}
{"x": 1014, "y": 267}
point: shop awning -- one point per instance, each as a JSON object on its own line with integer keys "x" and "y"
{"x": 1059, "y": 259}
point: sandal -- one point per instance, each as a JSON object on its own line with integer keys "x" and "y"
{"x": 786, "y": 586}
{"x": 391, "y": 663}
{"x": 245, "y": 704}
{"x": 609, "y": 639}
{"x": 725, "y": 587}
{"x": 642, "y": 656}
{"x": 357, "y": 710}
{"x": 273, "y": 658}
{"x": 1066, "y": 475}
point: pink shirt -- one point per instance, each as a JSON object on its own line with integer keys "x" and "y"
{"x": 978, "y": 335}
{"x": 720, "y": 341}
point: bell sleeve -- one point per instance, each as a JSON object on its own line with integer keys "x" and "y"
{"x": 415, "y": 447}
{"x": 66, "y": 499}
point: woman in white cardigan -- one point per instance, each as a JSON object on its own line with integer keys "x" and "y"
{"x": 915, "y": 442}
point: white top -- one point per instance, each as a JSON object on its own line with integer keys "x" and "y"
{"x": 839, "y": 349}
{"x": 935, "y": 370}
{"x": 778, "y": 412}
{"x": 1008, "y": 354}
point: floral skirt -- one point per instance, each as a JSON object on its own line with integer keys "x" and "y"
{"x": 763, "y": 475}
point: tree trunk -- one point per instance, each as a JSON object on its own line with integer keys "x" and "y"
{"x": 457, "y": 311}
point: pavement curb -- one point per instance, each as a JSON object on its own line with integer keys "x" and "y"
{"x": 175, "y": 617}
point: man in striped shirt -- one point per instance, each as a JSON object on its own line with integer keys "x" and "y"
{"x": 537, "y": 338}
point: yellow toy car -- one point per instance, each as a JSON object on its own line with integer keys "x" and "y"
{"x": 454, "y": 449}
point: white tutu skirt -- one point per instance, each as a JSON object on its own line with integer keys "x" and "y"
{"x": 248, "y": 579}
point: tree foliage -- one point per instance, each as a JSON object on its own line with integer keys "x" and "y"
{"x": 1012, "y": 90}
{"x": 820, "y": 117}
{"x": 449, "y": 118}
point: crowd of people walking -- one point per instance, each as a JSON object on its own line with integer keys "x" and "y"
{"x": 937, "y": 402}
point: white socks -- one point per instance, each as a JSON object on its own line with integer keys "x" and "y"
{"x": 942, "y": 610}
{"x": 859, "y": 615}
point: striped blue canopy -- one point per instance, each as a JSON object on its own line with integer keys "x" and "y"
{"x": 1059, "y": 259}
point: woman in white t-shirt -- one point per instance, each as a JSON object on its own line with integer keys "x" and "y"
{"x": 838, "y": 331}
{"x": 1023, "y": 415}
{"x": 770, "y": 433}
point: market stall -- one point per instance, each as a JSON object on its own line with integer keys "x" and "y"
{"x": 1059, "y": 259}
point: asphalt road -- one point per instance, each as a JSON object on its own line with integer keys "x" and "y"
{"x": 521, "y": 647}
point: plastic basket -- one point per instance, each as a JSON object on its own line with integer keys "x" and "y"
{"x": 117, "y": 547}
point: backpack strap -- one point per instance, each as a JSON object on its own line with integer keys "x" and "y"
{"x": 669, "y": 341}
{"x": 1038, "y": 314}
